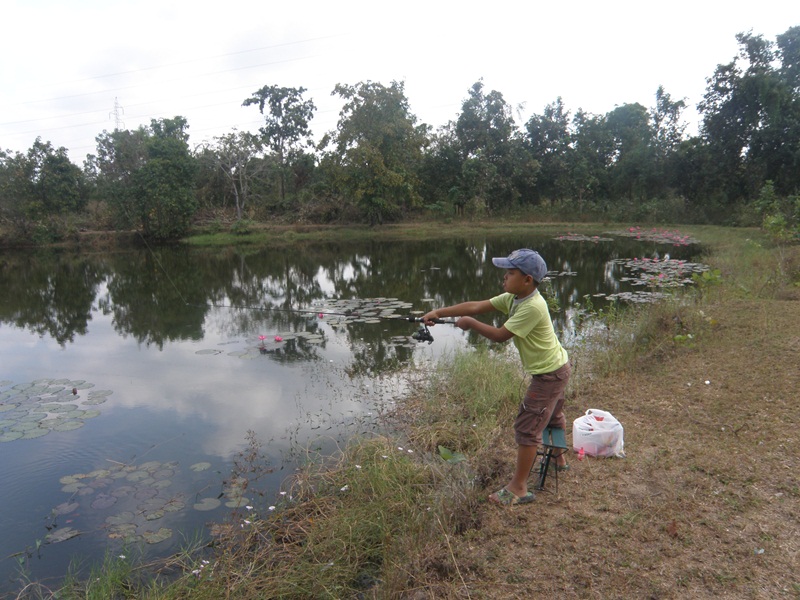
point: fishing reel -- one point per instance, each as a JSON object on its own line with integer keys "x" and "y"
{"x": 423, "y": 334}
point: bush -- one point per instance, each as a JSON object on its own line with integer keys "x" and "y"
{"x": 242, "y": 227}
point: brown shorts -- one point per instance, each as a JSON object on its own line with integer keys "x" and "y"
{"x": 542, "y": 406}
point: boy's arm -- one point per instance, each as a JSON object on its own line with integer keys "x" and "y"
{"x": 495, "y": 334}
{"x": 465, "y": 309}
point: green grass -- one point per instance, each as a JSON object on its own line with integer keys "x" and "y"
{"x": 264, "y": 235}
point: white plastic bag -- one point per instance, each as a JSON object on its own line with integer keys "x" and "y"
{"x": 599, "y": 433}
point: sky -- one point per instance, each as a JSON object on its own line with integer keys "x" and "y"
{"x": 71, "y": 70}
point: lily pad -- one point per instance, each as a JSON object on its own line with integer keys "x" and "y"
{"x": 237, "y": 502}
{"x": 207, "y": 504}
{"x": 10, "y": 436}
{"x": 104, "y": 501}
{"x": 61, "y": 535}
{"x": 71, "y": 488}
{"x": 138, "y": 476}
{"x": 68, "y": 425}
{"x": 154, "y": 537}
{"x": 35, "y": 433}
{"x": 121, "y": 519}
{"x": 94, "y": 401}
{"x": 145, "y": 493}
{"x": 123, "y": 490}
{"x": 24, "y": 426}
{"x": 201, "y": 466}
{"x": 65, "y": 508}
{"x": 34, "y": 416}
{"x": 101, "y": 482}
{"x": 174, "y": 505}
{"x": 153, "y": 504}
{"x": 209, "y": 351}
{"x": 98, "y": 473}
{"x": 61, "y": 408}
{"x": 124, "y": 531}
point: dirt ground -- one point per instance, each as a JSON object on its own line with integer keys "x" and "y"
{"x": 706, "y": 503}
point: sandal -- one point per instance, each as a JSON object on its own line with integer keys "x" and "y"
{"x": 505, "y": 498}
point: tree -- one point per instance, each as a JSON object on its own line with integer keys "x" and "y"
{"x": 120, "y": 154}
{"x": 148, "y": 176}
{"x": 485, "y": 124}
{"x": 286, "y": 124}
{"x": 751, "y": 116}
{"x": 378, "y": 149}
{"x": 493, "y": 157}
{"x": 667, "y": 126}
{"x": 667, "y": 135}
{"x": 592, "y": 157}
{"x": 440, "y": 173}
{"x": 38, "y": 185}
{"x": 236, "y": 156}
{"x": 629, "y": 126}
{"x": 550, "y": 143}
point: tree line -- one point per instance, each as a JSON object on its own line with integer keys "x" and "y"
{"x": 380, "y": 164}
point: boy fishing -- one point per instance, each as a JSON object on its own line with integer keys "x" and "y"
{"x": 542, "y": 356}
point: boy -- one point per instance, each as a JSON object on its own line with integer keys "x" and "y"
{"x": 542, "y": 356}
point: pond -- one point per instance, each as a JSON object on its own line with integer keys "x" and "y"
{"x": 135, "y": 386}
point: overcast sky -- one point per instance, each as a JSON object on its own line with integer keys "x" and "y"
{"x": 73, "y": 69}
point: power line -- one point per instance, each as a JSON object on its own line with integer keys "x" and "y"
{"x": 176, "y": 64}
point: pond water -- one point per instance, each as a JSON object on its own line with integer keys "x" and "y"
{"x": 130, "y": 381}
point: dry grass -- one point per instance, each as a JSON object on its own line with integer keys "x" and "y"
{"x": 707, "y": 502}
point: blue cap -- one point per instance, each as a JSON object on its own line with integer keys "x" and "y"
{"x": 527, "y": 261}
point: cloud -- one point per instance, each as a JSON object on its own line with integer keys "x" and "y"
{"x": 76, "y": 62}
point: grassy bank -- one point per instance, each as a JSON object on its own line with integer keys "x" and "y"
{"x": 266, "y": 235}
{"x": 706, "y": 503}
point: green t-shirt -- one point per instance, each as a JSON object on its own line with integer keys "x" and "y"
{"x": 534, "y": 336}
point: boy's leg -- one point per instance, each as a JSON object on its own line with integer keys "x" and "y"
{"x": 519, "y": 482}
{"x": 542, "y": 406}
{"x": 557, "y": 418}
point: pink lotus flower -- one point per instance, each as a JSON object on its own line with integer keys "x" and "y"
{"x": 278, "y": 338}
{"x": 262, "y": 337}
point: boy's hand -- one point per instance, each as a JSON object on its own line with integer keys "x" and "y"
{"x": 430, "y": 318}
